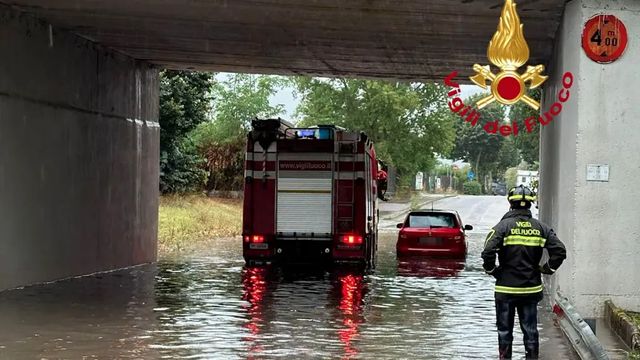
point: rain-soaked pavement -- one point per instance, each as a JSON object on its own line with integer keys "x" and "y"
{"x": 211, "y": 307}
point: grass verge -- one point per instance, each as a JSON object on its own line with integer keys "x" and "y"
{"x": 188, "y": 220}
{"x": 402, "y": 194}
{"x": 415, "y": 202}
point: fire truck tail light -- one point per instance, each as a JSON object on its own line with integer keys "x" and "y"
{"x": 254, "y": 238}
{"x": 352, "y": 239}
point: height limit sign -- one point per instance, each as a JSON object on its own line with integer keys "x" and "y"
{"x": 604, "y": 38}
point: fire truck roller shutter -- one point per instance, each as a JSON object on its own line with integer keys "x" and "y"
{"x": 304, "y": 203}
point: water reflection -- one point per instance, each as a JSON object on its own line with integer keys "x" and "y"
{"x": 351, "y": 289}
{"x": 430, "y": 267}
{"x": 254, "y": 283}
{"x": 279, "y": 300}
{"x": 213, "y": 307}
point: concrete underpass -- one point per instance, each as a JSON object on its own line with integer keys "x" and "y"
{"x": 79, "y": 127}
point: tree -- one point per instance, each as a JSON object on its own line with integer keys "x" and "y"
{"x": 510, "y": 177}
{"x": 488, "y": 154}
{"x": 239, "y": 99}
{"x": 508, "y": 156}
{"x": 475, "y": 145}
{"x": 528, "y": 143}
{"x": 408, "y": 122}
{"x": 184, "y": 103}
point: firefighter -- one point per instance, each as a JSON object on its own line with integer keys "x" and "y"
{"x": 518, "y": 241}
{"x": 382, "y": 181}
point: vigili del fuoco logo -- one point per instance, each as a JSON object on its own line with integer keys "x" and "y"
{"x": 508, "y": 51}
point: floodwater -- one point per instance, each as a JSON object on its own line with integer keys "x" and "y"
{"x": 212, "y": 307}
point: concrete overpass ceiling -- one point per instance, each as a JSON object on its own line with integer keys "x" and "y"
{"x": 413, "y": 39}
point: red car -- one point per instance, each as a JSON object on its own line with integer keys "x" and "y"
{"x": 432, "y": 233}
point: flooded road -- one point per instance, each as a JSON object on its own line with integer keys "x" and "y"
{"x": 212, "y": 307}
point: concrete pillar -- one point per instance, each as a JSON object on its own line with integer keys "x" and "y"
{"x": 79, "y": 154}
{"x": 598, "y": 125}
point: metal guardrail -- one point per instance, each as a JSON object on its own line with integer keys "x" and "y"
{"x": 582, "y": 338}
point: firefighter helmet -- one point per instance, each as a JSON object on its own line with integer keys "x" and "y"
{"x": 521, "y": 197}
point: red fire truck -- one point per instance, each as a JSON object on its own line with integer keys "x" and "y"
{"x": 310, "y": 193}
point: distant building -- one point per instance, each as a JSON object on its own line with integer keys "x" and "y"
{"x": 526, "y": 178}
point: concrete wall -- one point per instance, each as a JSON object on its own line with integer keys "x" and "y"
{"x": 78, "y": 155}
{"x": 599, "y": 125}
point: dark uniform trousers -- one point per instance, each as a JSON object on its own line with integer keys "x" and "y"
{"x": 527, "y": 308}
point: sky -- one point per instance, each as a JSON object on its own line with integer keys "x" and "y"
{"x": 285, "y": 97}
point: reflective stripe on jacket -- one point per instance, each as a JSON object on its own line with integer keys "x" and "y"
{"x": 518, "y": 241}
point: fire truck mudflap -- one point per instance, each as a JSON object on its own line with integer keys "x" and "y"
{"x": 310, "y": 194}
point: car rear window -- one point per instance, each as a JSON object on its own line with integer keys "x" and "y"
{"x": 438, "y": 220}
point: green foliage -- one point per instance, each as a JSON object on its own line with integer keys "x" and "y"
{"x": 489, "y": 154}
{"x": 510, "y": 177}
{"x": 508, "y": 156}
{"x": 239, "y": 99}
{"x": 441, "y": 170}
{"x": 472, "y": 188}
{"x": 181, "y": 170}
{"x": 534, "y": 185}
{"x": 225, "y": 165}
{"x": 528, "y": 143}
{"x": 408, "y": 123}
{"x": 461, "y": 177}
{"x": 535, "y": 166}
{"x": 475, "y": 145}
{"x": 184, "y": 103}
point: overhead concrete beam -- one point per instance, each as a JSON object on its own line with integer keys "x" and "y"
{"x": 413, "y": 40}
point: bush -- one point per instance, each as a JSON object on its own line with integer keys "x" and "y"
{"x": 225, "y": 165}
{"x": 461, "y": 177}
{"x": 472, "y": 188}
{"x": 223, "y": 153}
{"x": 181, "y": 170}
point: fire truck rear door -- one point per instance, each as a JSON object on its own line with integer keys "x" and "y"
{"x": 304, "y": 204}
